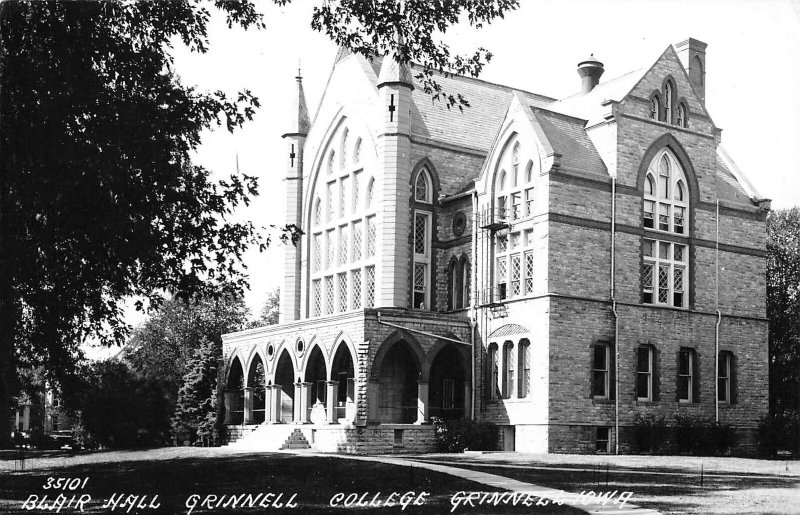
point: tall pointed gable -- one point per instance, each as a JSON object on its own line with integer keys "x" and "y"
{"x": 299, "y": 122}
{"x": 668, "y": 65}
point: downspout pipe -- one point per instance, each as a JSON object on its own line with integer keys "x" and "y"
{"x": 614, "y": 311}
{"x": 473, "y": 319}
{"x": 417, "y": 331}
{"x": 716, "y": 329}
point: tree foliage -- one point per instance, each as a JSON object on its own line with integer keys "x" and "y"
{"x": 270, "y": 311}
{"x": 195, "y": 415}
{"x": 783, "y": 309}
{"x": 117, "y": 407}
{"x": 99, "y": 199}
{"x": 412, "y": 30}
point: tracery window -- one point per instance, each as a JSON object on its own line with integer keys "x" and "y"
{"x": 513, "y": 211}
{"x": 665, "y": 210}
{"x": 514, "y": 264}
{"x": 344, "y": 240}
{"x": 423, "y": 228}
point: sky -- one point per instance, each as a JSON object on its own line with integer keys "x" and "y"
{"x": 752, "y": 93}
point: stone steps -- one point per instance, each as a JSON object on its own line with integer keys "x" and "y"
{"x": 296, "y": 441}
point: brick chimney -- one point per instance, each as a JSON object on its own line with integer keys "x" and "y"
{"x": 692, "y": 54}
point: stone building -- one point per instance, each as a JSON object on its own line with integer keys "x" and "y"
{"x": 554, "y": 266}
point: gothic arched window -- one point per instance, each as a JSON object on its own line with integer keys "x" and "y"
{"x": 655, "y": 107}
{"x": 665, "y": 211}
{"x": 422, "y": 187}
{"x": 668, "y": 94}
{"x": 343, "y": 236}
{"x": 423, "y": 231}
{"x": 681, "y": 119}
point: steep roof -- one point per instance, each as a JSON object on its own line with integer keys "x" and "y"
{"x": 568, "y": 138}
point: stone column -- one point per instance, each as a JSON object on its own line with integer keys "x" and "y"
{"x": 248, "y": 405}
{"x": 373, "y": 397}
{"x": 333, "y": 390}
{"x": 297, "y": 407}
{"x": 229, "y": 398}
{"x": 277, "y": 394}
{"x": 269, "y": 412}
{"x": 305, "y": 402}
{"x": 422, "y": 402}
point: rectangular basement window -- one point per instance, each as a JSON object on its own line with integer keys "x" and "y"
{"x": 398, "y": 437}
{"x": 603, "y": 439}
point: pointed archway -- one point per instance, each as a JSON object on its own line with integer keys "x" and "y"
{"x": 234, "y": 393}
{"x": 255, "y": 394}
{"x": 398, "y": 375}
{"x": 316, "y": 376}
{"x": 343, "y": 377}
{"x": 284, "y": 388}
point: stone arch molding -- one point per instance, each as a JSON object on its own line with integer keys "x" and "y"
{"x": 357, "y": 127}
{"x": 255, "y": 351}
{"x": 387, "y": 344}
{"x": 509, "y": 330}
{"x": 434, "y": 351}
{"x": 292, "y": 356}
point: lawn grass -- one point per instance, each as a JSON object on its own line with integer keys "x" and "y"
{"x": 669, "y": 485}
{"x": 175, "y": 475}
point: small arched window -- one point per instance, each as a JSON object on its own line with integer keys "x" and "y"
{"x": 331, "y": 162}
{"x": 681, "y": 120}
{"x": 357, "y": 152}
{"x": 370, "y": 192}
{"x": 465, "y": 281}
{"x": 655, "y": 107}
{"x": 529, "y": 172}
{"x": 515, "y": 165}
{"x": 668, "y": 93}
{"x": 422, "y": 187}
{"x": 343, "y": 149}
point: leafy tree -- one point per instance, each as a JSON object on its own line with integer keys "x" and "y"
{"x": 99, "y": 200}
{"x": 196, "y": 410}
{"x": 783, "y": 309}
{"x": 164, "y": 349}
{"x": 119, "y": 408}
{"x": 270, "y": 312}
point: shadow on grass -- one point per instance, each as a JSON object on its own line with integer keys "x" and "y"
{"x": 314, "y": 480}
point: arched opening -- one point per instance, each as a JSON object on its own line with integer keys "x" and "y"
{"x": 447, "y": 384}
{"x": 234, "y": 390}
{"x": 397, "y": 376}
{"x": 257, "y": 385}
{"x": 316, "y": 375}
{"x": 343, "y": 373}
{"x": 284, "y": 387}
